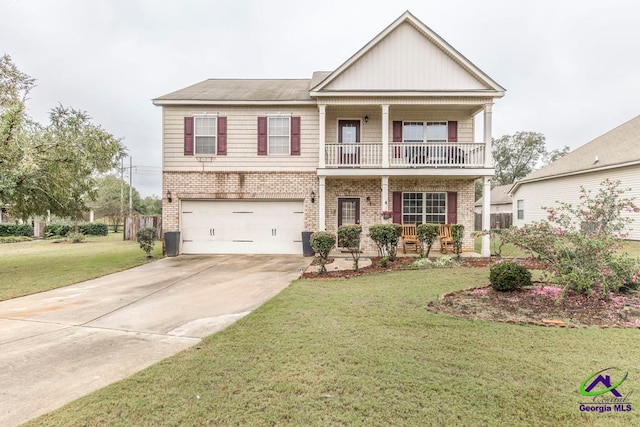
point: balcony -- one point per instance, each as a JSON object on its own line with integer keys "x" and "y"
{"x": 405, "y": 155}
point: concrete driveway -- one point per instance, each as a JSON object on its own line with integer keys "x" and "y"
{"x": 59, "y": 345}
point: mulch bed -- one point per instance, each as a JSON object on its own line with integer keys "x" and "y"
{"x": 540, "y": 305}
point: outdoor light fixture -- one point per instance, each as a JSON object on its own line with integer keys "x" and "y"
{"x": 313, "y": 196}
{"x": 369, "y": 199}
{"x": 169, "y": 199}
{"x": 366, "y": 119}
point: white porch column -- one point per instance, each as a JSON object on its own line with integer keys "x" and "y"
{"x": 322, "y": 225}
{"x": 486, "y": 216}
{"x": 488, "y": 161}
{"x": 91, "y": 215}
{"x": 322, "y": 136}
{"x": 385, "y": 136}
{"x": 384, "y": 206}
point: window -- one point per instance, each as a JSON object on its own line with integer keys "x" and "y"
{"x": 415, "y": 132}
{"x": 420, "y": 208}
{"x": 205, "y": 134}
{"x": 437, "y": 131}
{"x": 520, "y": 209}
{"x": 278, "y": 135}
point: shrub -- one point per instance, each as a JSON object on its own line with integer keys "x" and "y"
{"x": 349, "y": 237}
{"x": 94, "y": 229}
{"x": 322, "y": 243}
{"x": 578, "y": 243}
{"x": 384, "y": 261}
{"x": 146, "y": 238}
{"x": 443, "y": 261}
{"x": 51, "y": 230}
{"x": 457, "y": 234}
{"x": 15, "y": 239}
{"x": 75, "y": 237}
{"x": 16, "y": 230}
{"x": 509, "y": 276}
{"x": 386, "y": 237}
{"x": 427, "y": 235}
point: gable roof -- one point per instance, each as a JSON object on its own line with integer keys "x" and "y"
{"x": 499, "y": 196}
{"x": 478, "y": 82}
{"x": 617, "y": 148}
{"x": 234, "y": 91}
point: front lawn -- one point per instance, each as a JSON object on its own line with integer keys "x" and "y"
{"x": 365, "y": 351}
{"x": 40, "y": 265}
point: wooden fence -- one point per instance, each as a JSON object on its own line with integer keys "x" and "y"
{"x": 133, "y": 224}
{"x": 497, "y": 220}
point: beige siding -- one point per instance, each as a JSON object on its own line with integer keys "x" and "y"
{"x": 406, "y": 60}
{"x": 242, "y": 137}
{"x": 567, "y": 189}
{"x": 372, "y": 130}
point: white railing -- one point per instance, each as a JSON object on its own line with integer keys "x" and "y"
{"x": 409, "y": 155}
{"x": 354, "y": 155}
{"x": 447, "y": 154}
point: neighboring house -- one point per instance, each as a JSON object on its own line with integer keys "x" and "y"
{"x": 250, "y": 164}
{"x": 614, "y": 155}
{"x": 500, "y": 208}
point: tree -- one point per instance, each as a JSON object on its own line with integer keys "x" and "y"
{"x": 519, "y": 154}
{"x": 112, "y": 197}
{"x": 48, "y": 168}
{"x": 151, "y": 205}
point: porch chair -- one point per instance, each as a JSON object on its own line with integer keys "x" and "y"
{"x": 410, "y": 237}
{"x": 445, "y": 238}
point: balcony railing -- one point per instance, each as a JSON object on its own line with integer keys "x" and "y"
{"x": 406, "y": 155}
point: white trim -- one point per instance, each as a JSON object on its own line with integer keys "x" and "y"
{"x": 430, "y": 93}
{"x": 195, "y": 135}
{"x": 160, "y": 102}
{"x": 451, "y": 173}
{"x": 424, "y": 206}
{"x": 279, "y": 116}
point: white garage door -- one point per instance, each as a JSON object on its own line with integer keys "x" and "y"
{"x": 241, "y": 227}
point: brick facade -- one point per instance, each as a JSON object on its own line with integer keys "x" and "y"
{"x": 299, "y": 185}
{"x": 238, "y": 185}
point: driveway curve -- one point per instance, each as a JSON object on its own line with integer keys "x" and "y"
{"x": 59, "y": 345}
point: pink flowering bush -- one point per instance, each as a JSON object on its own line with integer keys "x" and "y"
{"x": 578, "y": 243}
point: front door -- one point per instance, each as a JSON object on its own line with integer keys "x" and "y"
{"x": 349, "y": 136}
{"x": 348, "y": 212}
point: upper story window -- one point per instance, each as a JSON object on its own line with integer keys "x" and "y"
{"x": 205, "y": 134}
{"x": 279, "y": 135}
{"x": 424, "y": 132}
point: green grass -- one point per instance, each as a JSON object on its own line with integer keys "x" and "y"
{"x": 40, "y": 265}
{"x": 364, "y": 351}
{"x": 630, "y": 247}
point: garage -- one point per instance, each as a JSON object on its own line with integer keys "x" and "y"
{"x": 241, "y": 227}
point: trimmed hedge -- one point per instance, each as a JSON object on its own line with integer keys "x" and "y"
{"x": 88, "y": 229}
{"x": 7, "y": 230}
{"x": 94, "y": 229}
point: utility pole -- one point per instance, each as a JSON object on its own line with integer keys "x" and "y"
{"x": 122, "y": 189}
{"x": 130, "y": 186}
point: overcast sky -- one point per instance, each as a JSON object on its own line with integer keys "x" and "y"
{"x": 571, "y": 68}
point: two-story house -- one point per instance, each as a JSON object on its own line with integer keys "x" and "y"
{"x": 250, "y": 164}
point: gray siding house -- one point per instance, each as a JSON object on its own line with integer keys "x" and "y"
{"x": 614, "y": 155}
